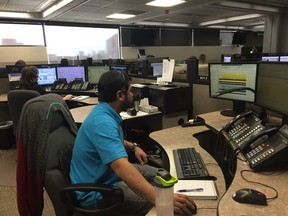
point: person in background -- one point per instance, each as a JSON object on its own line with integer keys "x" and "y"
{"x": 29, "y": 80}
{"x": 20, "y": 63}
{"x": 100, "y": 153}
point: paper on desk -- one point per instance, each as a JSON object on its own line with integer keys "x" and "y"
{"x": 167, "y": 73}
{"x": 125, "y": 115}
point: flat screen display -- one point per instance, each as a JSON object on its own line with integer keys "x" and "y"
{"x": 95, "y": 72}
{"x": 119, "y": 68}
{"x": 270, "y": 58}
{"x": 231, "y": 76}
{"x": 283, "y": 58}
{"x": 157, "y": 68}
{"x": 70, "y": 73}
{"x": 47, "y": 75}
{"x": 227, "y": 58}
{"x": 272, "y": 86}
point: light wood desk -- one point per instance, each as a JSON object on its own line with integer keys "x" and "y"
{"x": 3, "y": 98}
{"x": 177, "y": 137}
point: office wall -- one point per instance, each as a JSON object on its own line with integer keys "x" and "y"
{"x": 30, "y": 54}
{"x": 182, "y": 53}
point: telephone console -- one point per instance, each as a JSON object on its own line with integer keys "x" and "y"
{"x": 242, "y": 128}
{"x": 269, "y": 150}
{"x": 261, "y": 146}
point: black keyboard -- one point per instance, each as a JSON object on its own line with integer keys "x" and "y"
{"x": 189, "y": 164}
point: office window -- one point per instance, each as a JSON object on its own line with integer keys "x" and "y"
{"x": 78, "y": 43}
{"x": 226, "y": 37}
{"x": 21, "y": 34}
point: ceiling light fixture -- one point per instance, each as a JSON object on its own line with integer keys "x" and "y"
{"x": 165, "y": 3}
{"x": 249, "y": 6}
{"x": 226, "y": 27}
{"x": 163, "y": 24}
{"x": 230, "y": 19}
{"x": 120, "y": 16}
{"x": 55, "y": 7}
{"x": 15, "y": 15}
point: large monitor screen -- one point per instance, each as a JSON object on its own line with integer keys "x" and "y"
{"x": 70, "y": 73}
{"x": 95, "y": 72}
{"x": 283, "y": 58}
{"x": 157, "y": 68}
{"x": 272, "y": 86}
{"x": 233, "y": 81}
{"x": 119, "y": 68}
{"x": 47, "y": 75}
{"x": 270, "y": 58}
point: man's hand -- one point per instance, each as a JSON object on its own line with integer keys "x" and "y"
{"x": 141, "y": 156}
{"x": 183, "y": 205}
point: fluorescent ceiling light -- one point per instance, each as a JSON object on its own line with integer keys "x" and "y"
{"x": 15, "y": 15}
{"x": 163, "y": 24}
{"x": 56, "y": 7}
{"x": 249, "y": 6}
{"x": 165, "y": 3}
{"x": 120, "y": 16}
{"x": 259, "y": 27}
{"x": 226, "y": 27}
{"x": 230, "y": 19}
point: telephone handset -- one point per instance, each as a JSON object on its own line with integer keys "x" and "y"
{"x": 269, "y": 149}
{"x": 257, "y": 139}
{"x": 59, "y": 84}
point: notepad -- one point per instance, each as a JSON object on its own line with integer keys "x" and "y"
{"x": 80, "y": 97}
{"x": 209, "y": 189}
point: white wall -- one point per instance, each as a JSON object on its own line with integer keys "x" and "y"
{"x": 30, "y": 54}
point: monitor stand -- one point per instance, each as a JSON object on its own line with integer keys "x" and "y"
{"x": 238, "y": 107}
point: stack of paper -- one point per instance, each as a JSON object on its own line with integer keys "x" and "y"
{"x": 197, "y": 189}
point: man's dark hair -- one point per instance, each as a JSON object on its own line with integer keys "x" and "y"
{"x": 111, "y": 82}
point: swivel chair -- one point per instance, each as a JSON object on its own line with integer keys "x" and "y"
{"x": 16, "y": 101}
{"x": 48, "y": 160}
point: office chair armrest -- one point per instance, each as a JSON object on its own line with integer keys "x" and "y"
{"x": 112, "y": 197}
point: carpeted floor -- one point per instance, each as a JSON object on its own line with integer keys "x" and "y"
{"x": 8, "y": 205}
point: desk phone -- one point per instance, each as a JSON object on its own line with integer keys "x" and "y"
{"x": 261, "y": 145}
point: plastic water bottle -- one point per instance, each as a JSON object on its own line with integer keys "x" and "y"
{"x": 164, "y": 193}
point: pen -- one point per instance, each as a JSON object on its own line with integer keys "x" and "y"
{"x": 191, "y": 190}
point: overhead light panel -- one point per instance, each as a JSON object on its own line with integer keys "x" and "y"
{"x": 120, "y": 16}
{"x": 56, "y": 7}
{"x": 230, "y": 19}
{"x": 249, "y": 6}
{"x": 163, "y": 24}
{"x": 165, "y": 3}
{"x": 15, "y": 15}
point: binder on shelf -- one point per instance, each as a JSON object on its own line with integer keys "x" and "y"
{"x": 197, "y": 189}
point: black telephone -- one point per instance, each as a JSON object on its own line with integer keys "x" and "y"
{"x": 268, "y": 150}
{"x": 59, "y": 84}
{"x": 78, "y": 84}
{"x": 243, "y": 128}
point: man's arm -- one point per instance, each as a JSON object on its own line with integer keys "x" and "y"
{"x": 133, "y": 178}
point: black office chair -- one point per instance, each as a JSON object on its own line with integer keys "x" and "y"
{"x": 48, "y": 121}
{"x": 16, "y": 101}
{"x": 57, "y": 179}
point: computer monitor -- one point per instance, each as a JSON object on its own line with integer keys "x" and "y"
{"x": 47, "y": 75}
{"x": 14, "y": 77}
{"x": 270, "y": 58}
{"x": 94, "y": 73}
{"x": 70, "y": 73}
{"x": 272, "y": 87}
{"x": 233, "y": 81}
{"x": 157, "y": 68}
{"x": 227, "y": 59}
{"x": 283, "y": 58}
{"x": 119, "y": 68}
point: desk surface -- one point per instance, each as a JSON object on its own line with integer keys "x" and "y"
{"x": 183, "y": 137}
{"x": 80, "y": 113}
{"x": 3, "y": 98}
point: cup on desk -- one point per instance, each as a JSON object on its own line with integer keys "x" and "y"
{"x": 164, "y": 193}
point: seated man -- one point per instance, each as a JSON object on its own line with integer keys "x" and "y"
{"x": 100, "y": 153}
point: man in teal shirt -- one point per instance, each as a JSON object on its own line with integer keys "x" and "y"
{"x": 100, "y": 152}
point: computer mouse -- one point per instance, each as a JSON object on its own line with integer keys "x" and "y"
{"x": 250, "y": 196}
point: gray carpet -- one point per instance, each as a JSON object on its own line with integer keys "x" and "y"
{"x": 8, "y": 204}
